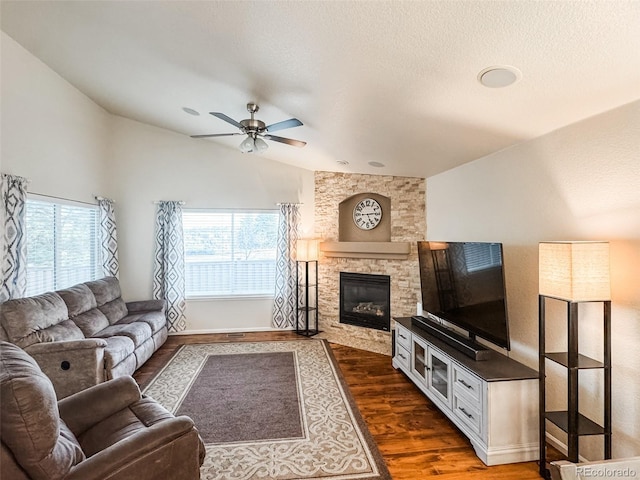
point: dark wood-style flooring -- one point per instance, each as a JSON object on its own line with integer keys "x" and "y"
{"x": 414, "y": 437}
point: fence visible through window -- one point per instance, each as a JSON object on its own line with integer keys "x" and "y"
{"x": 229, "y": 253}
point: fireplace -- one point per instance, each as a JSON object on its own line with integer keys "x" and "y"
{"x": 365, "y": 300}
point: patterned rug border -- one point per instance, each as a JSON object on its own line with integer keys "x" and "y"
{"x": 362, "y": 431}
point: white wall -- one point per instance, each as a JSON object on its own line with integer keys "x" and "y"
{"x": 578, "y": 183}
{"x": 149, "y": 164}
{"x": 51, "y": 133}
{"x": 69, "y": 147}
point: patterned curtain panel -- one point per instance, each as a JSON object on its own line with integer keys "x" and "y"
{"x": 168, "y": 271}
{"x": 284, "y": 311}
{"x": 108, "y": 238}
{"x": 14, "y": 240}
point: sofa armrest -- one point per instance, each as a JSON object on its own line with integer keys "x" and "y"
{"x": 84, "y": 409}
{"x": 618, "y": 467}
{"x": 146, "y": 306}
{"x": 563, "y": 470}
{"x": 70, "y": 365}
{"x": 168, "y": 449}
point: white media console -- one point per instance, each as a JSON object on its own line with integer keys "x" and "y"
{"x": 494, "y": 401}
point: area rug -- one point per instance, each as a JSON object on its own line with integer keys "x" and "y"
{"x": 270, "y": 410}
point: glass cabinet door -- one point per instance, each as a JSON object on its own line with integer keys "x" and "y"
{"x": 419, "y": 359}
{"x": 439, "y": 379}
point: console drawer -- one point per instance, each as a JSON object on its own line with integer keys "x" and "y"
{"x": 466, "y": 412}
{"x": 403, "y": 338}
{"x": 403, "y": 357}
{"x": 469, "y": 386}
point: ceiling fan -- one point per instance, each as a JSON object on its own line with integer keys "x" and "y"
{"x": 256, "y": 130}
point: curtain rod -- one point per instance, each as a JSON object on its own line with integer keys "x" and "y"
{"x": 104, "y": 198}
{"x": 158, "y": 202}
{"x": 285, "y": 203}
{"x": 60, "y": 198}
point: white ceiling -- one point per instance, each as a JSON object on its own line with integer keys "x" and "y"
{"x": 393, "y": 82}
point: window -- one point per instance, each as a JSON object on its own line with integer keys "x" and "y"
{"x": 481, "y": 256}
{"x": 230, "y": 253}
{"x": 62, "y": 245}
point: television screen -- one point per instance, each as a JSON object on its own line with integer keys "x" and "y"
{"x": 463, "y": 284}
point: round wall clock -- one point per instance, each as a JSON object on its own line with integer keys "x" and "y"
{"x": 367, "y": 214}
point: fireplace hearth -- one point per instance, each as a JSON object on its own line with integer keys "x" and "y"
{"x": 365, "y": 300}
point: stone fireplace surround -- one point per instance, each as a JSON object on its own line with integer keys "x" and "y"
{"x": 408, "y": 224}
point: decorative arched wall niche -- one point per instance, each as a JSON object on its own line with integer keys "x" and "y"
{"x": 348, "y": 231}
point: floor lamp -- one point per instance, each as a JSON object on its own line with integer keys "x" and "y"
{"x": 574, "y": 272}
{"x": 307, "y": 287}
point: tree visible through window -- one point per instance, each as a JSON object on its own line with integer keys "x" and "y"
{"x": 230, "y": 253}
{"x": 62, "y": 245}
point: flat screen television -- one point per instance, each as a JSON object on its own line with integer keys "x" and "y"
{"x": 462, "y": 283}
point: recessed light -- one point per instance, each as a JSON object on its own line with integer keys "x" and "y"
{"x": 376, "y": 164}
{"x": 190, "y": 111}
{"x": 499, "y": 76}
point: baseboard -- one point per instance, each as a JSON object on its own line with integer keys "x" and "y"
{"x": 231, "y": 330}
{"x": 507, "y": 454}
{"x": 561, "y": 447}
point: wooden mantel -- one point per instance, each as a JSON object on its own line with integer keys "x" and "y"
{"x": 387, "y": 250}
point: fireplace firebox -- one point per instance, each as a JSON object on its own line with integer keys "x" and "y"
{"x": 365, "y": 300}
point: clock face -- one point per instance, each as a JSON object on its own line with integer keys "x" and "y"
{"x": 367, "y": 214}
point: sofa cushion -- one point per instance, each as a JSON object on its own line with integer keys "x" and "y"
{"x": 83, "y": 309}
{"x": 117, "y": 349}
{"x": 31, "y": 427}
{"x": 121, "y": 425}
{"x": 25, "y": 319}
{"x": 79, "y": 299}
{"x": 109, "y": 298}
{"x": 105, "y": 290}
{"x": 114, "y": 310}
{"x": 91, "y": 322}
{"x": 138, "y": 332}
{"x": 62, "y": 332}
{"x": 156, "y": 320}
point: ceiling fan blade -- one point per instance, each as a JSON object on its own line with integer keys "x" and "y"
{"x": 216, "y": 135}
{"x": 292, "y": 122}
{"x": 288, "y": 141}
{"x": 230, "y": 120}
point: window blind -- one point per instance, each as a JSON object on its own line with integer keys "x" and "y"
{"x": 480, "y": 256}
{"x": 62, "y": 245}
{"x": 230, "y": 253}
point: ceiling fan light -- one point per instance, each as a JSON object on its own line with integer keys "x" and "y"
{"x": 248, "y": 145}
{"x": 260, "y": 144}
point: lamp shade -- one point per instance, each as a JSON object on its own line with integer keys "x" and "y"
{"x": 574, "y": 271}
{"x": 248, "y": 145}
{"x": 260, "y": 144}
{"x": 307, "y": 249}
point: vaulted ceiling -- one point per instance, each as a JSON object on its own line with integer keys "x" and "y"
{"x": 374, "y": 82}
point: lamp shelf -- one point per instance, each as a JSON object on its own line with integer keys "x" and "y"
{"x": 586, "y": 426}
{"x": 308, "y": 333}
{"x": 307, "y": 295}
{"x": 571, "y": 421}
{"x": 584, "y": 362}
